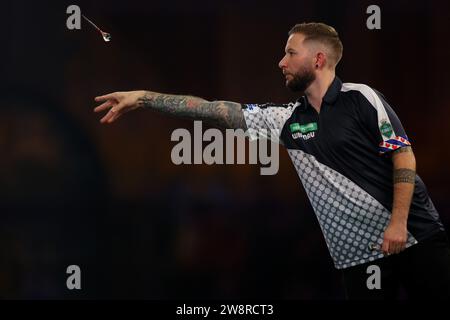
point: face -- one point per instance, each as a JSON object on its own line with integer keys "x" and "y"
{"x": 297, "y": 64}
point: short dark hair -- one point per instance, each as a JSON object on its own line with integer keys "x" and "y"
{"x": 323, "y": 33}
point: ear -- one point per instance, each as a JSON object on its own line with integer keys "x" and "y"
{"x": 320, "y": 60}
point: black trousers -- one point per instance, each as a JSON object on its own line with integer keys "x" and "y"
{"x": 419, "y": 272}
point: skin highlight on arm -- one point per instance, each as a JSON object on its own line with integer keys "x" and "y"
{"x": 224, "y": 114}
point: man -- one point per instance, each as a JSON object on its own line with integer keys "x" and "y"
{"x": 355, "y": 162}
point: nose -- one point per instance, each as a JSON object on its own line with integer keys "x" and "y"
{"x": 282, "y": 63}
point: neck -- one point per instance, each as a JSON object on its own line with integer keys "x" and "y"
{"x": 317, "y": 90}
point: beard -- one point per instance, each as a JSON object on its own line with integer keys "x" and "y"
{"x": 301, "y": 80}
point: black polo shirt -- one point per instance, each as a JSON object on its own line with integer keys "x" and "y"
{"x": 342, "y": 156}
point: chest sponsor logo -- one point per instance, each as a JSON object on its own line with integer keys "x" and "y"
{"x": 303, "y": 131}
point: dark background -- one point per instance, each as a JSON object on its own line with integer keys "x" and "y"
{"x": 109, "y": 199}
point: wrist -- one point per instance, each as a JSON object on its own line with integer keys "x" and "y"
{"x": 399, "y": 220}
{"x": 144, "y": 99}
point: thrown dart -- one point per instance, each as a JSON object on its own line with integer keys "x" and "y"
{"x": 105, "y": 35}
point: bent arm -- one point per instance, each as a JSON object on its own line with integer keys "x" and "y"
{"x": 404, "y": 175}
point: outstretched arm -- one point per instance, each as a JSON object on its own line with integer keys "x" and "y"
{"x": 224, "y": 114}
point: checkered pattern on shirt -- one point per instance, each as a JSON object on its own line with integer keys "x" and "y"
{"x": 351, "y": 219}
{"x": 261, "y": 119}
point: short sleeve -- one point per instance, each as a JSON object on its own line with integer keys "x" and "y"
{"x": 381, "y": 121}
{"x": 266, "y": 120}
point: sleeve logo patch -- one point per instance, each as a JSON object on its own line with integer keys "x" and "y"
{"x": 386, "y": 129}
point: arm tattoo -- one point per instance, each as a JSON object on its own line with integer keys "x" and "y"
{"x": 404, "y": 149}
{"x": 404, "y": 175}
{"x": 223, "y": 114}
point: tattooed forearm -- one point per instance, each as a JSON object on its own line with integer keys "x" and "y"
{"x": 223, "y": 114}
{"x": 404, "y": 175}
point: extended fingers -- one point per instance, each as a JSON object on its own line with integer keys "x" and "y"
{"x": 113, "y": 114}
{"x": 106, "y": 97}
{"x": 107, "y": 117}
{"x": 104, "y": 106}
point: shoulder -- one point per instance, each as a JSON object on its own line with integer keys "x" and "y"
{"x": 363, "y": 94}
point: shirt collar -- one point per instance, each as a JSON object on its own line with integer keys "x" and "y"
{"x": 330, "y": 96}
{"x": 333, "y": 91}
